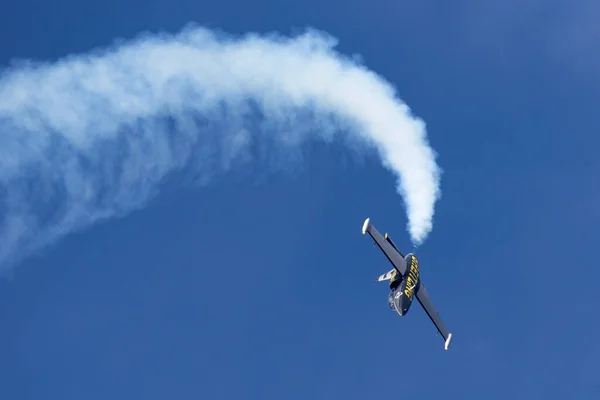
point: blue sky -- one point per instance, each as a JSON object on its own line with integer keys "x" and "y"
{"x": 262, "y": 286}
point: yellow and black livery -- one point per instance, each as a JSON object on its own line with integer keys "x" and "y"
{"x": 405, "y": 281}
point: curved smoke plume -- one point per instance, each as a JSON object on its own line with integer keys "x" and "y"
{"x": 93, "y": 135}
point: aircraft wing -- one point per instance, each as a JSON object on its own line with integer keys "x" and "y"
{"x": 431, "y": 311}
{"x": 390, "y": 252}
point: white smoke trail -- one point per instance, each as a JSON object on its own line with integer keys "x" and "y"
{"x": 93, "y": 135}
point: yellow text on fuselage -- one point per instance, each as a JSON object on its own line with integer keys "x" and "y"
{"x": 412, "y": 279}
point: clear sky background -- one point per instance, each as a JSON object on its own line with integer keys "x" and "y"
{"x": 262, "y": 286}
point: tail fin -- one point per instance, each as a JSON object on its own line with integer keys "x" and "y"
{"x": 388, "y": 275}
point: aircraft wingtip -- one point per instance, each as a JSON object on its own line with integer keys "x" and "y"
{"x": 447, "y": 344}
{"x": 366, "y": 225}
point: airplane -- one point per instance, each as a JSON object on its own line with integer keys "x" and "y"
{"x": 405, "y": 281}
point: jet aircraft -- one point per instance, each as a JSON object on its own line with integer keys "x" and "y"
{"x": 405, "y": 281}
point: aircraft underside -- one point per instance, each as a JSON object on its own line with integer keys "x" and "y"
{"x": 398, "y": 301}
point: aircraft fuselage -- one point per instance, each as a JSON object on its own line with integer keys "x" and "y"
{"x": 402, "y": 294}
